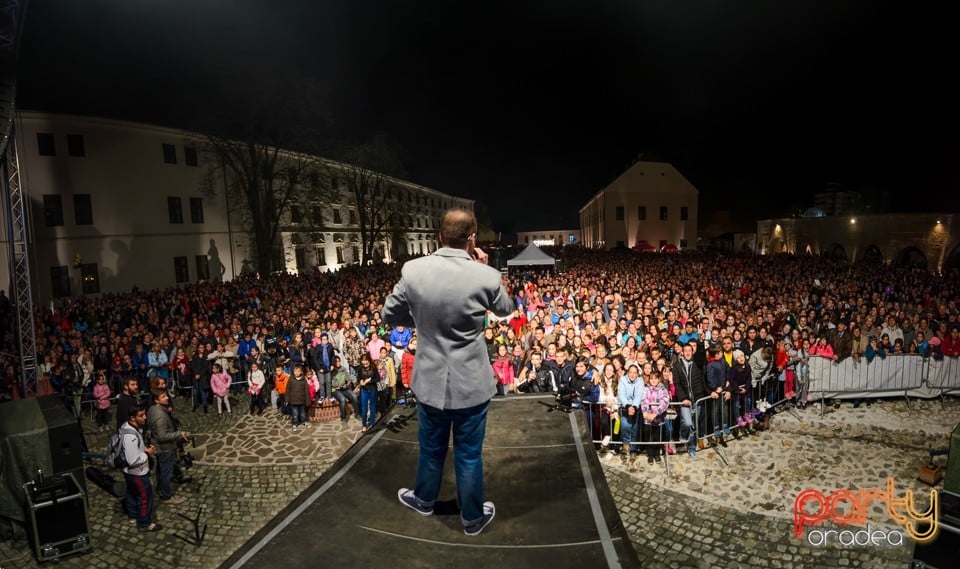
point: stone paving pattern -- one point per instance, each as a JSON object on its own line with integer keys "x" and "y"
{"x": 706, "y": 514}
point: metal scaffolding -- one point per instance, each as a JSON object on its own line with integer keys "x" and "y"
{"x": 16, "y": 210}
{"x": 21, "y": 292}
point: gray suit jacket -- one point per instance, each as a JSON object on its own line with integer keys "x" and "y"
{"x": 445, "y": 296}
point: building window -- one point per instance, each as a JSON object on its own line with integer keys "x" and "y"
{"x": 203, "y": 268}
{"x": 189, "y": 156}
{"x": 60, "y": 279}
{"x": 641, "y": 213}
{"x": 339, "y": 254}
{"x": 663, "y": 213}
{"x": 174, "y": 209}
{"x": 336, "y": 217}
{"x": 683, "y": 243}
{"x": 619, "y": 213}
{"x": 180, "y": 270}
{"x": 90, "y": 278}
{"x": 300, "y": 256}
{"x": 526, "y": 238}
{"x": 82, "y": 209}
{"x": 296, "y": 214}
{"x": 52, "y": 210}
{"x": 321, "y": 256}
{"x": 46, "y": 144}
{"x": 196, "y": 210}
{"x": 683, "y": 213}
{"x": 356, "y": 254}
{"x": 75, "y": 145}
{"x": 353, "y": 217}
{"x": 418, "y": 222}
{"x": 169, "y": 154}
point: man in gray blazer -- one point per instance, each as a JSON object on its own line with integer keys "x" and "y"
{"x": 445, "y": 296}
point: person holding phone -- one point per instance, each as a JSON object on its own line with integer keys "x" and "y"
{"x": 453, "y": 379}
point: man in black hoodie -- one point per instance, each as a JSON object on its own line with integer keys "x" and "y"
{"x": 691, "y": 385}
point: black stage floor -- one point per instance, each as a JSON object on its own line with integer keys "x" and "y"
{"x": 553, "y": 506}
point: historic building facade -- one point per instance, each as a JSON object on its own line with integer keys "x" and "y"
{"x": 920, "y": 239}
{"x": 552, "y": 237}
{"x": 650, "y": 205}
{"x": 117, "y": 204}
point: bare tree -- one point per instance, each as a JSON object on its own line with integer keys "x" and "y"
{"x": 367, "y": 175}
{"x": 263, "y": 185}
{"x": 262, "y": 150}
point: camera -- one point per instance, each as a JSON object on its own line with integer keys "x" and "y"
{"x": 568, "y": 397}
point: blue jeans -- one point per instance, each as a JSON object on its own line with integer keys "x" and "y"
{"x": 138, "y": 503}
{"x": 368, "y": 407}
{"x": 469, "y": 428}
{"x": 199, "y": 396}
{"x": 344, "y": 395}
{"x": 298, "y": 414}
{"x": 326, "y": 384}
{"x": 164, "y": 474}
{"x": 687, "y": 430}
{"x": 628, "y": 429}
{"x": 747, "y": 405}
{"x": 720, "y": 415}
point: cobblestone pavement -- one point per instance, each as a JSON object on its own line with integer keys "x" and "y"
{"x": 705, "y": 514}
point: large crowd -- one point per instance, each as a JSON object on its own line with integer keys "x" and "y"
{"x": 614, "y": 327}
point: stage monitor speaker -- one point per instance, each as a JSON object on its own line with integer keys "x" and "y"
{"x": 35, "y": 434}
{"x": 56, "y": 514}
{"x": 63, "y": 435}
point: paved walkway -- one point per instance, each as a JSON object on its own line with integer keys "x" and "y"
{"x": 706, "y": 514}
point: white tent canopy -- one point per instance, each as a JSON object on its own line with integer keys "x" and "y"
{"x": 531, "y": 255}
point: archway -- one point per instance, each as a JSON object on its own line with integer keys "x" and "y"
{"x": 776, "y": 246}
{"x": 835, "y": 251}
{"x": 912, "y": 257}
{"x": 951, "y": 265}
{"x": 873, "y": 254}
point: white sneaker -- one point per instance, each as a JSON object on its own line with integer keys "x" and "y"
{"x": 489, "y": 511}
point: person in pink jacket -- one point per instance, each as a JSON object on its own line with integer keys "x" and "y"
{"x": 503, "y": 370}
{"x": 822, "y": 348}
{"x": 101, "y": 393}
{"x": 220, "y": 385}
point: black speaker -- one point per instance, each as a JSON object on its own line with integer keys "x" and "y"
{"x": 63, "y": 434}
{"x": 56, "y": 514}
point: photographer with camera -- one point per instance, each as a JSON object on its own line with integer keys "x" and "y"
{"x": 535, "y": 377}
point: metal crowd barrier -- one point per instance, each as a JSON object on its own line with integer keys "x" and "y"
{"x": 943, "y": 375}
{"x": 711, "y": 422}
{"x": 856, "y": 378}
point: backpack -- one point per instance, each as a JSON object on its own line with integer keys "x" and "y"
{"x": 114, "y": 455}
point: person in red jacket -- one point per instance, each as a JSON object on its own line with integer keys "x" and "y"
{"x": 406, "y": 362}
{"x": 950, "y": 346}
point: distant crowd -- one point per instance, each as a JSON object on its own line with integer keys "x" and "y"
{"x": 286, "y": 341}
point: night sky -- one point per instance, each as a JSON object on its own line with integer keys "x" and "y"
{"x": 532, "y": 107}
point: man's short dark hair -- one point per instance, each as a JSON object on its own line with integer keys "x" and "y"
{"x": 456, "y": 226}
{"x": 134, "y": 409}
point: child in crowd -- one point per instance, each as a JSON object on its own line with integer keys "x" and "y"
{"x": 822, "y": 348}
{"x": 739, "y": 378}
{"x": 653, "y": 406}
{"x": 101, "y": 393}
{"x": 277, "y": 398}
{"x": 255, "y": 382}
{"x": 503, "y": 370}
{"x": 220, "y": 385}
